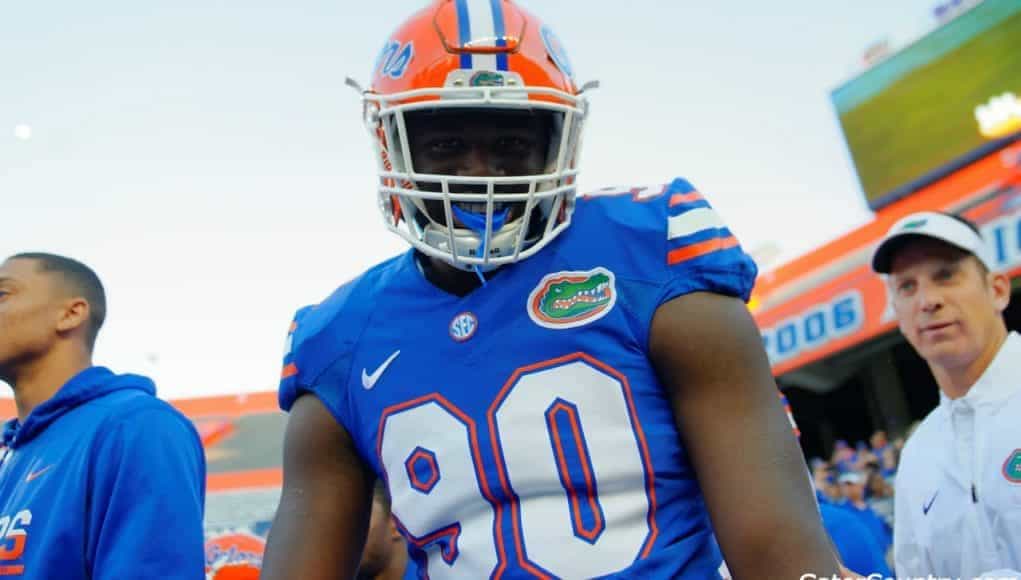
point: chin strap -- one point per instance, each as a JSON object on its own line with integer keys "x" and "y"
{"x": 477, "y": 223}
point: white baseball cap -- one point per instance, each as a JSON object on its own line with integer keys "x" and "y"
{"x": 935, "y": 225}
{"x": 851, "y": 477}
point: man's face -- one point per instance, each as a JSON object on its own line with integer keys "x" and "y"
{"x": 853, "y": 491}
{"x": 478, "y": 144}
{"x": 878, "y": 440}
{"x": 947, "y": 306}
{"x": 30, "y": 310}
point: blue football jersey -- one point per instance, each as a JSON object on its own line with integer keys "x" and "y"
{"x": 521, "y": 429}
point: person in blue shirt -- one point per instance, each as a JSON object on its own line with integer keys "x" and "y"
{"x": 99, "y": 479}
{"x": 549, "y": 383}
{"x": 858, "y": 548}
{"x": 852, "y": 486}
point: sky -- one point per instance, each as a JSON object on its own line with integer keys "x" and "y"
{"x": 207, "y": 160}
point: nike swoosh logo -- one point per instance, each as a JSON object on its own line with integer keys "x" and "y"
{"x": 34, "y": 474}
{"x": 369, "y": 380}
{"x": 928, "y": 506}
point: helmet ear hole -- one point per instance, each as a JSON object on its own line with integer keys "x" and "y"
{"x": 370, "y": 116}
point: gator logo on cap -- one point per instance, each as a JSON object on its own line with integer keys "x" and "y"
{"x": 1012, "y": 467}
{"x": 570, "y": 299}
{"x": 915, "y": 224}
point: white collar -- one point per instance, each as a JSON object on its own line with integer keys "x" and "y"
{"x": 998, "y": 382}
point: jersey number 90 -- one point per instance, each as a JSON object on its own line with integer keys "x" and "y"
{"x": 568, "y": 455}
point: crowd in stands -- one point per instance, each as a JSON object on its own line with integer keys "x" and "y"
{"x": 858, "y": 481}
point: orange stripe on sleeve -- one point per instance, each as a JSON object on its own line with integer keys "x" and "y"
{"x": 700, "y": 249}
{"x": 270, "y": 477}
{"x": 679, "y": 198}
{"x": 289, "y": 371}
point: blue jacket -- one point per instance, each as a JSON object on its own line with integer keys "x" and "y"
{"x": 102, "y": 481}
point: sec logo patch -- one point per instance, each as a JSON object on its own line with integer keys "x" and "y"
{"x": 463, "y": 326}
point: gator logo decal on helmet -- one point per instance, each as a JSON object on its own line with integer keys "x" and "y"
{"x": 485, "y": 78}
{"x": 571, "y": 299}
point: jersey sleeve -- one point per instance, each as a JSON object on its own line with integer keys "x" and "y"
{"x": 290, "y": 385}
{"x": 661, "y": 242}
{"x": 701, "y": 254}
{"x": 318, "y": 354}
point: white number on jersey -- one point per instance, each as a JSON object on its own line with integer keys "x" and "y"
{"x": 570, "y": 455}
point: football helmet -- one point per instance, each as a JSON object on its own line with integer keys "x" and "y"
{"x": 475, "y": 55}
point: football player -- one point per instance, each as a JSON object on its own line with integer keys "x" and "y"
{"x": 550, "y": 384}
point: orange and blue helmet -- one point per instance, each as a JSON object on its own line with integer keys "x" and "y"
{"x": 487, "y": 56}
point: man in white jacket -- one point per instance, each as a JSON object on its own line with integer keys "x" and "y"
{"x": 958, "y": 489}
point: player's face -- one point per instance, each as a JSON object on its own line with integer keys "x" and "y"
{"x": 478, "y": 143}
{"x": 948, "y": 307}
{"x": 30, "y": 308}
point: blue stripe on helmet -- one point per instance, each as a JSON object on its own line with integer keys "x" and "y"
{"x": 498, "y": 27}
{"x": 464, "y": 31}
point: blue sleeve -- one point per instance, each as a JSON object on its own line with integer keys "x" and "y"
{"x": 702, "y": 254}
{"x": 318, "y": 360}
{"x": 290, "y": 383}
{"x": 148, "y": 493}
{"x": 661, "y": 243}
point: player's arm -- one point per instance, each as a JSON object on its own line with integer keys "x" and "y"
{"x": 709, "y": 356}
{"x": 321, "y": 522}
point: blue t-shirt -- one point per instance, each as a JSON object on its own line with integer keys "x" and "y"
{"x": 873, "y": 522}
{"x": 859, "y": 550}
{"x": 521, "y": 429}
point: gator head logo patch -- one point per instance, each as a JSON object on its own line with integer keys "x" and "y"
{"x": 486, "y": 78}
{"x": 570, "y": 299}
{"x": 1012, "y": 467}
